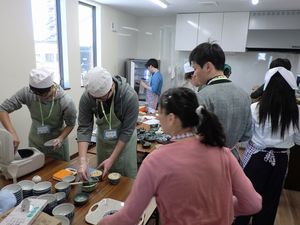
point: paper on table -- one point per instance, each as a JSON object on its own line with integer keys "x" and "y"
{"x": 17, "y": 216}
{"x": 152, "y": 121}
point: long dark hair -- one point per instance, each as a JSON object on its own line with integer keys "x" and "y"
{"x": 278, "y": 103}
{"x": 183, "y": 103}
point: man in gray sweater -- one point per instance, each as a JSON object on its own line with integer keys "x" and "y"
{"x": 114, "y": 103}
{"x": 230, "y": 103}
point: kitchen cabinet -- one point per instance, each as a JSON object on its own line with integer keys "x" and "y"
{"x": 235, "y": 30}
{"x": 210, "y": 27}
{"x": 229, "y": 30}
{"x": 186, "y": 31}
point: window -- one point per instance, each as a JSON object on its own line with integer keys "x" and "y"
{"x": 47, "y": 37}
{"x": 87, "y": 37}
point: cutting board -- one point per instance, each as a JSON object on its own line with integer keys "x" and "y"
{"x": 99, "y": 209}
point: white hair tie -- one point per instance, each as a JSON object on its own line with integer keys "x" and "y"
{"x": 286, "y": 74}
{"x": 199, "y": 110}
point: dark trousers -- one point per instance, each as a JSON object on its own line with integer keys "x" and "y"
{"x": 267, "y": 181}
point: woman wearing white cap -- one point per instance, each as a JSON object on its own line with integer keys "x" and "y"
{"x": 115, "y": 105}
{"x": 188, "y": 76}
{"x": 52, "y": 111}
{"x": 275, "y": 119}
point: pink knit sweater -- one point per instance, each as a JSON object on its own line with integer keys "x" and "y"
{"x": 193, "y": 184}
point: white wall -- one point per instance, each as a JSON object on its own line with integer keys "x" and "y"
{"x": 115, "y": 46}
{"x": 17, "y": 57}
{"x": 73, "y": 61}
{"x": 160, "y": 45}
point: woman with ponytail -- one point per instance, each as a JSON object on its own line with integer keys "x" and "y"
{"x": 275, "y": 119}
{"x": 194, "y": 179}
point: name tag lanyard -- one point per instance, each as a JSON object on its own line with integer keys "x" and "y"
{"x": 50, "y": 112}
{"x": 220, "y": 77}
{"x": 102, "y": 108}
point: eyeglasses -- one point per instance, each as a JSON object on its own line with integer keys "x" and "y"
{"x": 42, "y": 94}
{"x": 105, "y": 97}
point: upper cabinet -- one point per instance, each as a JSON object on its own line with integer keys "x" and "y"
{"x": 235, "y": 30}
{"x": 186, "y": 31}
{"x": 229, "y": 30}
{"x": 210, "y": 27}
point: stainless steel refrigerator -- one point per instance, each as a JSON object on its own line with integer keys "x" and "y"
{"x": 135, "y": 72}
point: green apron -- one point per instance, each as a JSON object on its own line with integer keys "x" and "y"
{"x": 126, "y": 164}
{"x": 55, "y": 122}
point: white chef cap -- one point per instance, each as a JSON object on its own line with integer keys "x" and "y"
{"x": 40, "y": 78}
{"x": 286, "y": 74}
{"x": 187, "y": 68}
{"x": 98, "y": 82}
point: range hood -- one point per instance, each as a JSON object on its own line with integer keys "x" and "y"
{"x": 274, "y": 30}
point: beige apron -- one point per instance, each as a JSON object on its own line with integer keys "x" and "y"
{"x": 126, "y": 164}
{"x": 55, "y": 123}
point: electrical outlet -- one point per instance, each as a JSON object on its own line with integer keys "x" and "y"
{"x": 113, "y": 27}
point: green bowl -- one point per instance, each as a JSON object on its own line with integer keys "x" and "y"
{"x": 114, "y": 178}
{"x": 89, "y": 187}
{"x": 81, "y": 198}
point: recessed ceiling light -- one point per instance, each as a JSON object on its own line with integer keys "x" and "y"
{"x": 148, "y": 33}
{"x": 130, "y": 28}
{"x": 255, "y": 2}
{"x": 162, "y": 3}
{"x": 123, "y": 34}
{"x": 208, "y": 3}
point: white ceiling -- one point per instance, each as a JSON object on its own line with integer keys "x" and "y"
{"x": 148, "y": 8}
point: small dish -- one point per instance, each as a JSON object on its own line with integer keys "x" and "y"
{"x": 73, "y": 170}
{"x": 81, "y": 198}
{"x": 69, "y": 179}
{"x": 64, "y": 209}
{"x": 26, "y": 185}
{"x": 114, "y": 178}
{"x": 42, "y": 186}
{"x": 63, "y": 187}
{"x": 89, "y": 186}
{"x": 60, "y": 197}
{"x": 146, "y": 144}
{"x": 49, "y": 143}
{"x": 96, "y": 175}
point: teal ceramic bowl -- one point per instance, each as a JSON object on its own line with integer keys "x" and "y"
{"x": 89, "y": 186}
{"x": 81, "y": 198}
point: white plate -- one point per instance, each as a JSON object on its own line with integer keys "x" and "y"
{"x": 27, "y": 185}
{"x": 49, "y": 143}
{"x": 42, "y": 186}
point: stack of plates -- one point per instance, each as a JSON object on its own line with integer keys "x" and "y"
{"x": 51, "y": 202}
{"x": 16, "y": 190}
{"x": 27, "y": 187}
{"x": 43, "y": 187}
{"x": 60, "y": 197}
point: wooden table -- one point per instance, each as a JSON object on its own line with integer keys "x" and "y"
{"x": 103, "y": 190}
